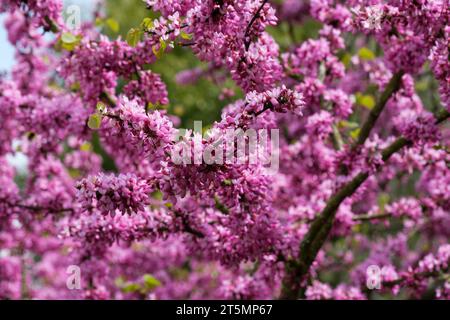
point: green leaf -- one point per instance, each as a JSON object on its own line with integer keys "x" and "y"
{"x": 158, "y": 195}
{"x": 131, "y": 287}
{"x": 220, "y": 206}
{"x": 75, "y": 87}
{"x": 86, "y": 147}
{"x": 68, "y": 38}
{"x": 185, "y": 36}
{"x": 95, "y": 121}
{"x": 74, "y": 173}
{"x": 133, "y": 37}
{"x": 346, "y": 59}
{"x": 366, "y": 54}
{"x": 147, "y": 23}
{"x": 69, "y": 41}
{"x": 99, "y": 22}
{"x": 355, "y": 133}
{"x": 227, "y": 182}
{"x": 150, "y": 106}
{"x": 113, "y": 24}
{"x": 366, "y": 100}
{"x": 162, "y": 47}
{"x": 151, "y": 282}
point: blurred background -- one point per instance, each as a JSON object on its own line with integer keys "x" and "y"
{"x": 204, "y": 99}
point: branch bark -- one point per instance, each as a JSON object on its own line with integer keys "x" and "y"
{"x": 249, "y": 26}
{"x": 296, "y": 270}
{"x": 392, "y": 87}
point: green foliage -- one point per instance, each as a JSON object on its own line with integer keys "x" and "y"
{"x": 159, "y": 51}
{"x": 366, "y": 54}
{"x": 68, "y": 41}
{"x": 365, "y": 100}
{"x": 133, "y": 36}
{"x": 149, "y": 283}
{"x": 95, "y": 121}
{"x": 113, "y": 24}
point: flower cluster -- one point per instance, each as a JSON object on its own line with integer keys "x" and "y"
{"x": 143, "y": 133}
{"x": 354, "y": 183}
{"x": 126, "y": 194}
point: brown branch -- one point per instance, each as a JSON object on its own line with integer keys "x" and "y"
{"x": 421, "y": 275}
{"x": 368, "y": 217}
{"x": 35, "y": 208}
{"x": 297, "y": 269}
{"x": 249, "y": 26}
{"x": 392, "y": 87}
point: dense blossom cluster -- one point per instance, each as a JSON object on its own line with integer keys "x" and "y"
{"x": 363, "y": 178}
{"x": 111, "y": 195}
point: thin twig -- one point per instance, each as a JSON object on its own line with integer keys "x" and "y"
{"x": 368, "y": 217}
{"x": 249, "y": 26}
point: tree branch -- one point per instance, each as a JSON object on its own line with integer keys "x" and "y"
{"x": 392, "y": 87}
{"x": 368, "y": 217}
{"x": 297, "y": 269}
{"x": 35, "y": 208}
{"x": 249, "y": 26}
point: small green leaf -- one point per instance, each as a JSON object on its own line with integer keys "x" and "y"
{"x": 169, "y": 205}
{"x": 131, "y": 287}
{"x": 366, "y": 54}
{"x": 366, "y": 100}
{"x": 156, "y": 52}
{"x": 75, "y": 87}
{"x": 185, "y": 36}
{"x": 163, "y": 44}
{"x": 346, "y": 59}
{"x": 227, "y": 182}
{"x": 158, "y": 195}
{"x": 133, "y": 37}
{"x": 86, "y": 147}
{"x": 68, "y": 38}
{"x": 150, "y": 106}
{"x": 68, "y": 41}
{"x": 147, "y": 24}
{"x": 74, "y": 173}
{"x": 355, "y": 133}
{"x": 68, "y": 46}
{"x": 151, "y": 282}
{"x": 220, "y": 206}
{"x": 99, "y": 22}
{"x": 162, "y": 47}
{"x": 113, "y": 24}
{"x": 95, "y": 121}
